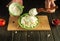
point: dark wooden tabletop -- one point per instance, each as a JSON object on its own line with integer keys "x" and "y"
{"x": 53, "y": 35}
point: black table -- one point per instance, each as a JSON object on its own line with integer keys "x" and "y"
{"x": 53, "y": 35}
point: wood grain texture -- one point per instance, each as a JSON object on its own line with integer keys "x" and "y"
{"x": 33, "y": 36}
{"x": 20, "y": 36}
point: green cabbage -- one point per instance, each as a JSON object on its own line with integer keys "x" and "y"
{"x": 15, "y": 9}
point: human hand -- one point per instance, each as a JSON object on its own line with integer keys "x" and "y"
{"x": 18, "y": 1}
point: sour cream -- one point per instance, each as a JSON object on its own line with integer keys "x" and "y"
{"x": 33, "y": 12}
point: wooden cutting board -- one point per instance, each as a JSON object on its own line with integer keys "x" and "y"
{"x": 43, "y": 24}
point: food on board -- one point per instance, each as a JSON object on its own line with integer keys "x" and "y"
{"x": 28, "y": 22}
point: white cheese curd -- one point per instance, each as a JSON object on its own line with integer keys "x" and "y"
{"x": 29, "y": 21}
{"x": 33, "y": 19}
{"x": 23, "y": 20}
{"x": 33, "y": 12}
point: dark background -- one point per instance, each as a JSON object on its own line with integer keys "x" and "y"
{"x": 28, "y": 4}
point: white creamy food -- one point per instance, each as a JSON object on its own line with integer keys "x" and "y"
{"x": 33, "y": 12}
{"x": 28, "y": 21}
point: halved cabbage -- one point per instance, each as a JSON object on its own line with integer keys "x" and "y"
{"x": 15, "y": 9}
{"x": 28, "y": 22}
